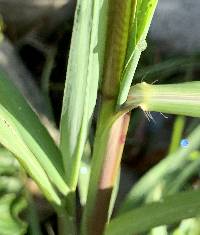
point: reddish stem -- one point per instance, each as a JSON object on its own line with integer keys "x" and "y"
{"x": 110, "y": 167}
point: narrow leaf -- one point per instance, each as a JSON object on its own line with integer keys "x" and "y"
{"x": 181, "y": 99}
{"x": 167, "y": 166}
{"x": 186, "y": 173}
{"x": 83, "y": 73}
{"x": 22, "y": 133}
{"x": 168, "y": 211}
{"x": 177, "y": 133}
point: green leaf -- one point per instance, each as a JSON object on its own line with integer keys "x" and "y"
{"x": 136, "y": 43}
{"x": 185, "y": 174}
{"x": 8, "y": 164}
{"x": 177, "y": 133}
{"x": 22, "y": 133}
{"x": 83, "y": 73}
{"x": 160, "y": 230}
{"x": 188, "y": 227}
{"x": 181, "y": 99}
{"x": 168, "y": 211}
{"x": 10, "y": 224}
{"x": 167, "y": 166}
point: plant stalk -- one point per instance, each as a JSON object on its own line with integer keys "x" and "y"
{"x": 67, "y": 216}
{"x": 112, "y": 126}
{"x": 66, "y": 225}
{"x": 108, "y": 148}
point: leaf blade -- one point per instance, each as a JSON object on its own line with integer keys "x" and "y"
{"x": 166, "y": 166}
{"x": 171, "y": 210}
{"x": 23, "y": 134}
{"x": 81, "y": 86}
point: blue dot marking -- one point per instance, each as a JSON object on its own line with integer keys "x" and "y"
{"x": 184, "y": 143}
{"x": 84, "y": 170}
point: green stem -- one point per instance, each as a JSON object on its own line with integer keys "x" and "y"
{"x": 112, "y": 126}
{"x": 108, "y": 148}
{"x": 33, "y": 219}
{"x": 67, "y": 216}
{"x": 66, "y": 225}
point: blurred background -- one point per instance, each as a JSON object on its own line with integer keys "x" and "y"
{"x": 34, "y": 45}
